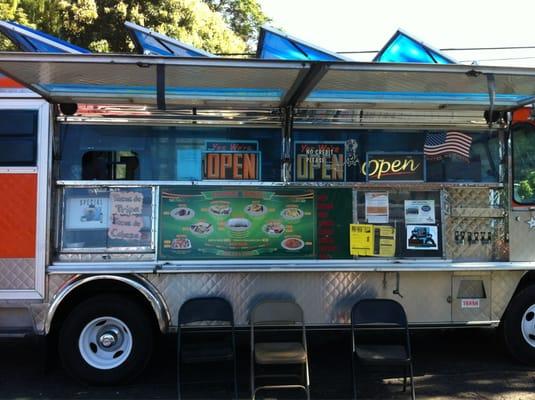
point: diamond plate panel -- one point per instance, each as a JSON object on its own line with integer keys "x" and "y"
{"x": 326, "y": 297}
{"x": 475, "y": 210}
{"x": 17, "y": 273}
{"x": 39, "y": 312}
{"x": 504, "y": 284}
{"x": 55, "y": 282}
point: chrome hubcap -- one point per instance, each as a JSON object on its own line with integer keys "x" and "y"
{"x": 528, "y": 325}
{"x": 107, "y": 339}
{"x": 105, "y": 343}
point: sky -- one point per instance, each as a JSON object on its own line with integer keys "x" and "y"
{"x": 349, "y": 25}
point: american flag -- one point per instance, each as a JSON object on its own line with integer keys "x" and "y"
{"x": 438, "y": 145}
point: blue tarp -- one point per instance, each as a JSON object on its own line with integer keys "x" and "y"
{"x": 34, "y": 41}
{"x": 403, "y": 48}
{"x": 273, "y": 44}
{"x": 149, "y": 42}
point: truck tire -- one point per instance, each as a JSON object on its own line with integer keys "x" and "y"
{"x": 519, "y": 326}
{"x": 106, "y": 339}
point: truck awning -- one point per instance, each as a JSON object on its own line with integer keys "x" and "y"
{"x": 230, "y": 83}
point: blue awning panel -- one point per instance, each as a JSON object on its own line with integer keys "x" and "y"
{"x": 403, "y": 48}
{"x": 149, "y": 42}
{"x": 34, "y": 41}
{"x": 274, "y": 44}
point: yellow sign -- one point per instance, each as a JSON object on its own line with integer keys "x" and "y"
{"x": 386, "y": 236}
{"x": 372, "y": 240}
{"x": 361, "y": 239}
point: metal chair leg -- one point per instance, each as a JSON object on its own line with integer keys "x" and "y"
{"x": 235, "y": 367}
{"x": 413, "y": 393}
{"x": 354, "y": 375}
{"x": 252, "y": 378}
{"x": 405, "y": 378}
{"x": 178, "y": 380}
{"x": 307, "y": 378}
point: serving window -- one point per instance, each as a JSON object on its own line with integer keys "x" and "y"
{"x": 401, "y": 223}
{"x": 384, "y": 156}
{"x": 101, "y": 152}
{"x": 107, "y": 219}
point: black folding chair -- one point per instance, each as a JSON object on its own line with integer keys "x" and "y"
{"x": 268, "y": 317}
{"x": 377, "y": 315}
{"x": 199, "y": 313}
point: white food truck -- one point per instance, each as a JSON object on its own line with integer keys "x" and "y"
{"x": 131, "y": 183}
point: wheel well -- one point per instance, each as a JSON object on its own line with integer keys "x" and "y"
{"x": 527, "y": 280}
{"x": 96, "y": 287}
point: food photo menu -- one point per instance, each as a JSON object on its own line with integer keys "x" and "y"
{"x": 236, "y": 223}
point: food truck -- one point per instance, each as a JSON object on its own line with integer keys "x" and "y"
{"x": 131, "y": 183}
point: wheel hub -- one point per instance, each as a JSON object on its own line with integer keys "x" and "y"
{"x": 105, "y": 342}
{"x": 528, "y": 325}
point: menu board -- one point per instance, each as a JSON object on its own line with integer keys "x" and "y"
{"x": 213, "y": 223}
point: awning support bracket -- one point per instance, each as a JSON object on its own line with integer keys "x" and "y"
{"x": 160, "y": 87}
{"x": 304, "y": 84}
{"x": 491, "y": 84}
{"x": 287, "y": 126}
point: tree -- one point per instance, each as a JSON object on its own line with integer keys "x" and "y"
{"x": 99, "y": 24}
{"x": 245, "y": 17}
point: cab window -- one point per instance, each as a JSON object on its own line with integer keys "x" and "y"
{"x": 523, "y": 141}
{"x": 18, "y": 138}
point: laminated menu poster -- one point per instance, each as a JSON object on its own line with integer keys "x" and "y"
{"x": 220, "y": 223}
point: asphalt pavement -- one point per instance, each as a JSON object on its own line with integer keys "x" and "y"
{"x": 449, "y": 364}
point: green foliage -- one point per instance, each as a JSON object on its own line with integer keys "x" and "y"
{"x": 245, "y": 17}
{"x": 524, "y": 163}
{"x": 525, "y": 191}
{"x": 98, "y": 24}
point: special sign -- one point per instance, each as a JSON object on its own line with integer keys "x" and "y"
{"x": 224, "y": 160}
{"x": 317, "y": 161}
{"x": 394, "y": 167}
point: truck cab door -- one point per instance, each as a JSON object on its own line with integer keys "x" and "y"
{"x": 522, "y": 189}
{"x": 24, "y": 128}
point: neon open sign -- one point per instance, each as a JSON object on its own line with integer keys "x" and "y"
{"x": 394, "y": 167}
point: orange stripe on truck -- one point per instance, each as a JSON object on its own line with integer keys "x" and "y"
{"x": 6, "y": 82}
{"x": 18, "y": 210}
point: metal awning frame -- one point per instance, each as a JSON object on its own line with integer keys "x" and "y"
{"x": 23, "y": 32}
{"x": 309, "y": 75}
{"x": 162, "y": 39}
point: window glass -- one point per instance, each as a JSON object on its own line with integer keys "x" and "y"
{"x": 523, "y": 140}
{"x": 319, "y": 154}
{"x": 110, "y": 165}
{"x": 418, "y": 233}
{"x": 171, "y": 153}
{"x": 107, "y": 218}
{"x": 18, "y": 138}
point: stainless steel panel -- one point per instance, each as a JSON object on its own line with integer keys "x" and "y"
{"x": 326, "y": 297}
{"x": 475, "y": 288}
{"x": 17, "y": 273}
{"x": 475, "y": 210}
{"x": 522, "y": 235}
{"x": 504, "y": 284}
{"x": 99, "y": 257}
{"x": 55, "y": 283}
